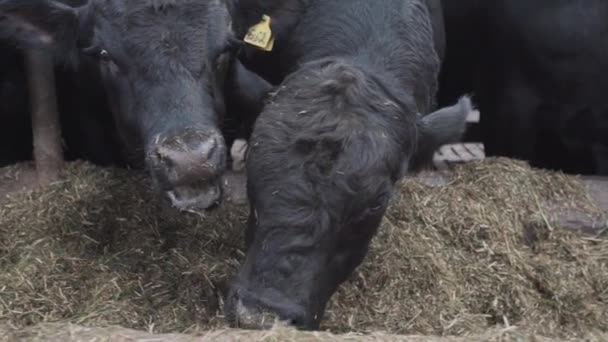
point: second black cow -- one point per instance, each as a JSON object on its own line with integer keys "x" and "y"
{"x": 347, "y": 121}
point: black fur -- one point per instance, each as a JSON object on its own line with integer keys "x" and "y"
{"x": 537, "y": 70}
{"x": 161, "y": 63}
{"x": 333, "y": 138}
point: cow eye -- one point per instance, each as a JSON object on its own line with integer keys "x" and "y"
{"x": 104, "y": 55}
{"x": 97, "y": 52}
{"x": 380, "y": 202}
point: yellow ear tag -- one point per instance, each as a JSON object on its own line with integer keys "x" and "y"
{"x": 260, "y": 35}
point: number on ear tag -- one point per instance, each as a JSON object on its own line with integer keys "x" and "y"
{"x": 260, "y": 35}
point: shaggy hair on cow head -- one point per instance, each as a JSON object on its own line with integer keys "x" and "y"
{"x": 330, "y": 125}
{"x": 324, "y": 156}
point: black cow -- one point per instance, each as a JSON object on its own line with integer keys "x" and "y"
{"x": 161, "y": 65}
{"x": 344, "y": 125}
{"x": 538, "y": 73}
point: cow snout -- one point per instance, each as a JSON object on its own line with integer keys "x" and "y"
{"x": 245, "y": 310}
{"x": 187, "y": 166}
{"x": 250, "y": 318}
{"x": 189, "y": 157}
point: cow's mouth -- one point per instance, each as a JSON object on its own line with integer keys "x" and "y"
{"x": 196, "y": 197}
{"x": 254, "y": 320}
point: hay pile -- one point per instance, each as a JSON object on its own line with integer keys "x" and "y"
{"x": 97, "y": 250}
{"x": 73, "y": 333}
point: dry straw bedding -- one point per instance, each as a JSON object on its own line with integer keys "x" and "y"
{"x": 459, "y": 259}
{"x": 72, "y": 333}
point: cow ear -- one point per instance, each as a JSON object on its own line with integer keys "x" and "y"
{"x": 43, "y": 24}
{"x": 444, "y": 126}
{"x": 247, "y": 87}
{"x": 245, "y": 93}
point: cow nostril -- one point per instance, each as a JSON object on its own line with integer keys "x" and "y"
{"x": 209, "y": 147}
{"x": 163, "y": 156}
{"x": 296, "y": 319}
{"x": 294, "y": 322}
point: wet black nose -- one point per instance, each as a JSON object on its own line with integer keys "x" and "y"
{"x": 246, "y": 310}
{"x": 187, "y": 157}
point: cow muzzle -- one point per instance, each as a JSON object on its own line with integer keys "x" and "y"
{"x": 187, "y": 167}
{"x": 247, "y": 310}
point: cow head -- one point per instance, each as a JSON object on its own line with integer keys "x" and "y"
{"x": 161, "y": 63}
{"x": 324, "y": 156}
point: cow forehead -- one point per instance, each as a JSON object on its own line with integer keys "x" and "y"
{"x": 171, "y": 35}
{"x": 130, "y": 7}
{"x": 169, "y": 17}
